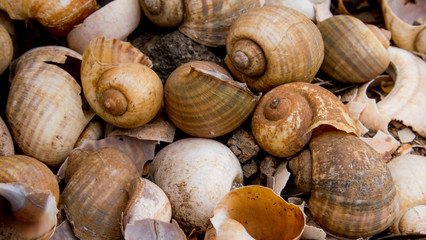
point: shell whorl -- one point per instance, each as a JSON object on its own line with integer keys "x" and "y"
{"x": 164, "y": 13}
{"x": 274, "y": 39}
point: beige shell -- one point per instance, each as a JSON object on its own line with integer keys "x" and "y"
{"x": 164, "y": 13}
{"x": 203, "y": 100}
{"x": 57, "y": 16}
{"x": 208, "y": 22}
{"x": 258, "y": 212}
{"x": 408, "y": 173}
{"x": 6, "y": 141}
{"x": 352, "y": 194}
{"x": 195, "y": 173}
{"x": 44, "y": 108}
{"x": 352, "y": 52}
{"x": 400, "y": 18}
{"x": 7, "y": 49}
{"x": 93, "y": 131}
{"x": 95, "y": 195}
{"x": 117, "y": 20}
{"x": 287, "y": 116}
{"x": 272, "y": 45}
{"x": 119, "y": 84}
{"x": 32, "y": 193}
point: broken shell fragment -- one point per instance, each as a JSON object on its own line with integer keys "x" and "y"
{"x": 408, "y": 173}
{"x": 6, "y": 141}
{"x": 44, "y": 108}
{"x": 154, "y": 229}
{"x": 29, "y": 193}
{"x": 256, "y": 212}
{"x": 203, "y": 100}
{"x": 195, "y": 173}
{"x": 401, "y": 19}
{"x": 286, "y": 117}
{"x": 117, "y": 20}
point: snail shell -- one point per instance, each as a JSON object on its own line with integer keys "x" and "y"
{"x": 352, "y": 53}
{"x": 352, "y": 193}
{"x": 272, "y": 45}
{"x": 286, "y": 116}
{"x": 7, "y": 48}
{"x": 202, "y": 100}
{"x": 258, "y": 212}
{"x": 32, "y": 193}
{"x": 208, "y": 22}
{"x": 95, "y": 195}
{"x": 6, "y": 141}
{"x": 195, "y": 173}
{"x": 164, "y": 13}
{"x": 44, "y": 107}
{"x": 57, "y": 16}
{"x": 119, "y": 84}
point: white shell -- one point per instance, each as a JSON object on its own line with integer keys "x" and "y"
{"x": 195, "y": 174}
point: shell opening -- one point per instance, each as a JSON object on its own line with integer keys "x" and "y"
{"x": 276, "y": 108}
{"x": 153, "y": 6}
{"x": 248, "y": 58}
{"x": 114, "y": 101}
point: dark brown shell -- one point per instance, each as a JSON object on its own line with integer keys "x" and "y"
{"x": 352, "y": 191}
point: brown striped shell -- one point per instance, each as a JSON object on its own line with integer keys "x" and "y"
{"x": 32, "y": 193}
{"x": 164, "y": 13}
{"x": 258, "y": 212}
{"x": 272, "y": 45}
{"x": 7, "y": 49}
{"x": 202, "y": 100}
{"x": 208, "y": 22}
{"x": 286, "y": 117}
{"x": 352, "y": 193}
{"x": 95, "y": 195}
{"x": 57, "y": 16}
{"x": 44, "y": 108}
{"x": 119, "y": 84}
{"x": 352, "y": 53}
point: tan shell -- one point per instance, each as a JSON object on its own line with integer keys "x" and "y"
{"x": 154, "y": 229}
{"x": 195, "y": 173}
{"x": 258, "y": 212}
{"x": 119, "y": 84}
{"x": 208, "y": 22}
{"x": 44, "y": 107}
{"x": 352, "y": 194}
{"x": 164, "y": 13}
{"x": 272, "y": 45}
{"x": 7, "y": 49}
{"x": 286, "y": 117}
{"x": 95, "y": 195}
{"x": 57, "y": 16}
{"x": 6, "y": 141}
{"x": 408, "y": 173}
{"x": 117, "y": 20}
{"x": 93, "y": 131}
{"x": 400, "y": 17}
{"x": 32, "y": 191}
{"x": 203, "y": 100}
{"x": 352, "y": 53}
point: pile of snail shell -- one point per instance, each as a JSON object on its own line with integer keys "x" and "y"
{"x": 196, "y": 183}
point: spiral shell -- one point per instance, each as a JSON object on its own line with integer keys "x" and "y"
{"x": 258, "y": 212}
{"x": 208, "y": 22}
{"x": 32, "y": 191}
{"x": 44, "y": 107}
{"x": 286, "y": 116}
{"x": 272, "y": 45}
{"x": 352, "y": 53}
{"x": 93, "y": 202}
{"x": 119, "y": 84}
{"x": 6, "y": 141}
{"x": 400, "y": 18}
{"x": 57, "y": 16}
{"x": 195, "y": 173}
{"x": 352, "y": 193}
{"x": 164, "y": 13}
{"x": 7, "y": 47}
{"x": 202, "y": 100}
